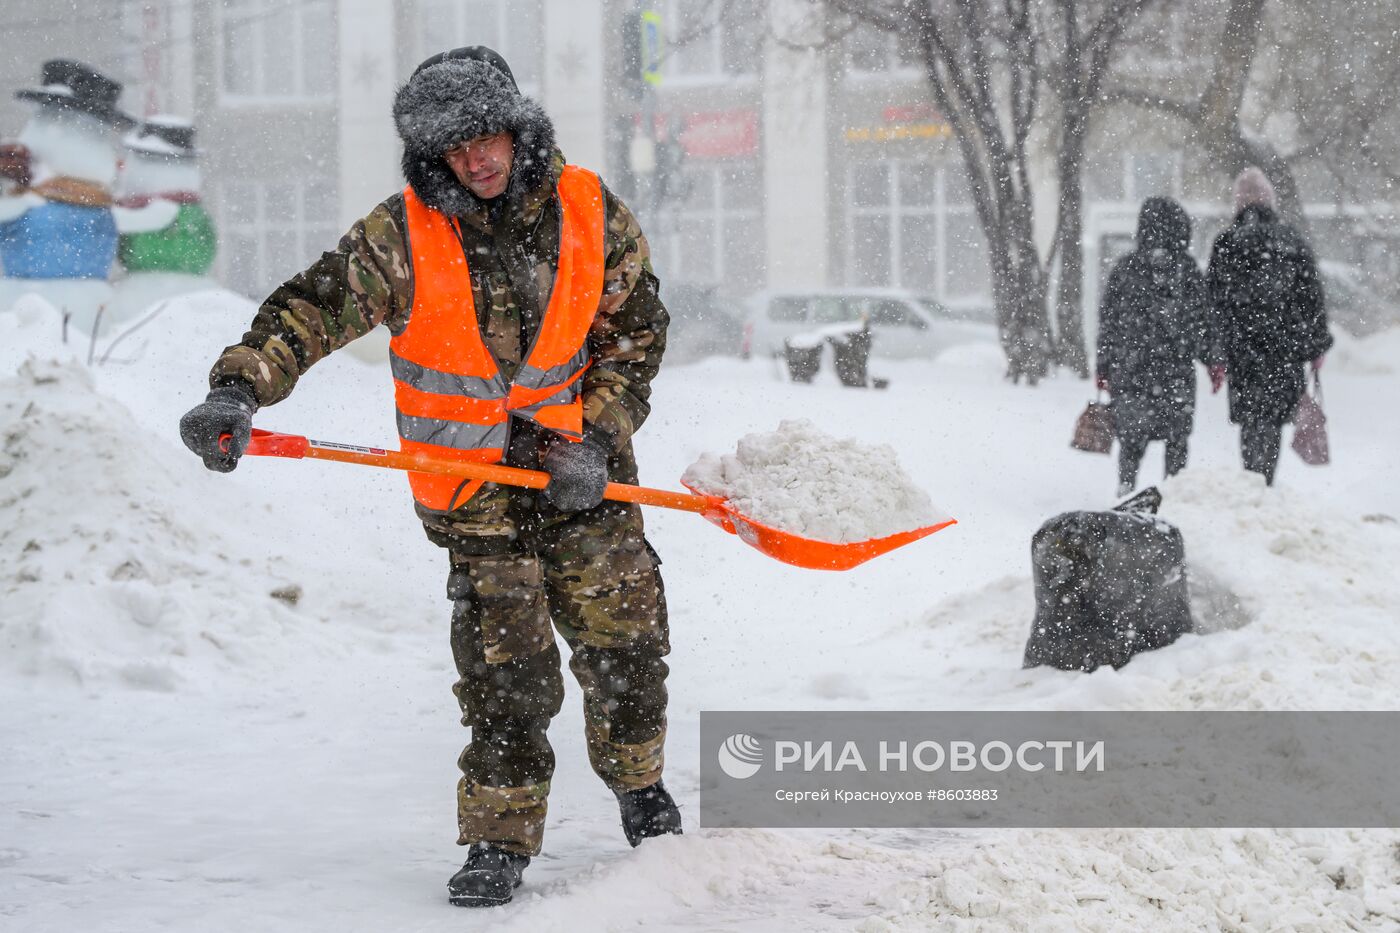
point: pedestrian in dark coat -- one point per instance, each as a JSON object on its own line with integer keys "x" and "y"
{"x": 1269, "y": 309}
{"x": 1154, "y": 322}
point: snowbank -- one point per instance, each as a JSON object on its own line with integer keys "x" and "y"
{"x": 1114, "y": 880}
{"x": 1294, "y": 605}
{"x": 802, "y": 480}
{"x": 1066, "y": 881}
{"x": 122, "y": 562}
{"x": 33, "y": 327}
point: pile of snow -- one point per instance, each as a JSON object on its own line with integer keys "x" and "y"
{"x": 1313, "y": 587}
{"x": 1062, "y": 880}
{"x": 78, "y": 304}
{"x": 123, "y": 562}
{"x": 1120, "y": 879}
{"x": 1294, "y": 604}
{"x": 33, "y": 327}
{"x": 804, "y": 481}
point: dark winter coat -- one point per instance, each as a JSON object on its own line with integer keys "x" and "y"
{"x": 1270, "y": 312}
{"x": 1154, "y": 322}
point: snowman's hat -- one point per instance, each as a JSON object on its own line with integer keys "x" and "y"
{"x": 69, "y": 84}
{"x": 172, "y": 137}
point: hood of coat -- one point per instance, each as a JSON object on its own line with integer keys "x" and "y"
{"x": 461, "y": 99}
{"x": 1163, "y": 225}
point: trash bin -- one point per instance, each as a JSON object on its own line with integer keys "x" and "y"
{"x": 803, "y": 361}
{"x": 852, "y": 350}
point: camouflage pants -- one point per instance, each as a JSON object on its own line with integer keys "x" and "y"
{"x": 594, "y": 578}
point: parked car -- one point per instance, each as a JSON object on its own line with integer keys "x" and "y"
{"x": 704, "y": 322}
{"x": 904, "y": 324}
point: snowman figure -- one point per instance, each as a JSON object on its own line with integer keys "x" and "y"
{"x": 57, "y": 233}
{"x": 167, "y": 239}
{"x": 163, "y": 225}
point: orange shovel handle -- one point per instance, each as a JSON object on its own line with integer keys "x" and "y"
{"x": 272, "y": 444}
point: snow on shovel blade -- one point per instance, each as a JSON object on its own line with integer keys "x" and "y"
{"x": 780, "y": 545}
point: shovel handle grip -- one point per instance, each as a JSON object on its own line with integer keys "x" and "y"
{"x": 272, "y": 444}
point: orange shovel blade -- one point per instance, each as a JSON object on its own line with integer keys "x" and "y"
{"x": 823, "y": 555}
{"x": 810, "y": 553}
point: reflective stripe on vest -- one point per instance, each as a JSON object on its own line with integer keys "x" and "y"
{"x": 452, "y": 401}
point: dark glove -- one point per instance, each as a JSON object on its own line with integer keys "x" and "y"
{"x": 1217, "y": 377}
{"x": 578, "y": 472}
{"x": 1101, "y": 381}
{"x": 228, "y": 410}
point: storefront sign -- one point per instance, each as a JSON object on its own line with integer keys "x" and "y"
{"x": 720, "y": 134}
{"x": 908, "y": 121}
{"x": 913, "y": 113}
{"x": 882, "y": 134}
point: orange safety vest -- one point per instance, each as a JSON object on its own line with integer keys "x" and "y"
{"x": 453, "y": 403}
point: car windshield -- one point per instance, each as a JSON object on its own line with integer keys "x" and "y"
{"x": 835, "y": 309}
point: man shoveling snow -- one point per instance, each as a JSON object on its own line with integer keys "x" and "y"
{"x": 527, "y": 328}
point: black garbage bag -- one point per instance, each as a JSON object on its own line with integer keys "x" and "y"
{"x": 803, "y": 362}
{"x": 852, "y": 352}
{"x": 1108, "y": 585}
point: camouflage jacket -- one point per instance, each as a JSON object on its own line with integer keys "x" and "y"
{"x": 512, "y": 251}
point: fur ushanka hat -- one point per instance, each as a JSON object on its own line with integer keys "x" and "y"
{"x": 460, "y": 95}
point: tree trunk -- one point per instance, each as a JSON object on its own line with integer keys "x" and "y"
{"x": 1070, "y": 348}
{"x": 995, "y": 165}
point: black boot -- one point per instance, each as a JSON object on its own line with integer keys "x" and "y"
{"x": 488, "y": 879}
{"x": 649, "y": 812}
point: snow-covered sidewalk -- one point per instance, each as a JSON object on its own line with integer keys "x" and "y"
{"x": 225, "y": 705}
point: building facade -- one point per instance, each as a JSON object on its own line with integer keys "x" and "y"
{"x": 761, "y": 155}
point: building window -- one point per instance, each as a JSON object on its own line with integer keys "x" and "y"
{"x": 870, "y": 52}
{"x": 1135, "y": 176}
{"x": 912, "y": 224}
{"x": 271, "y": 230}
{"x": 270, "y": 50}
{"x": 1146, "y": 174}
{"x": 704, "y": 48}
{"x": 716, "y": 234}
{"x": 515, "y": 28}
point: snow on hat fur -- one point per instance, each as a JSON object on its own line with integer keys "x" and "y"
{"x": 460, "y": 99}
{"x": 1252, "y": 186}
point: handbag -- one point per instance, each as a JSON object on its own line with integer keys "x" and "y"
{"x": 1093, "y": 432}
{"x": 1310, "y": 426}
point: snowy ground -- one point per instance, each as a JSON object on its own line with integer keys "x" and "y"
{"x": 224, "y": 701}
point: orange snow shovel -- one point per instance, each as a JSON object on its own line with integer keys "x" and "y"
{"x": 776, "y": 543}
